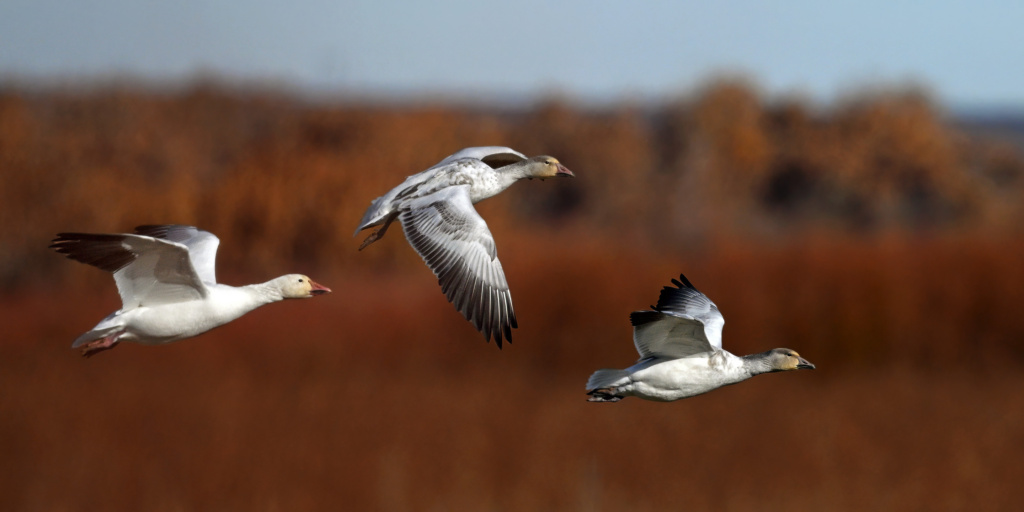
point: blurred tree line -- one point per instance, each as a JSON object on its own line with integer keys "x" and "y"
{"x": 267, "y": 169}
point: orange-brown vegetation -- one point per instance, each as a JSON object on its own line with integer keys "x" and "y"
{"x": 873, "y": 237}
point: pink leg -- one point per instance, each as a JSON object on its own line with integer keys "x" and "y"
{"x": 378, "y": 234}
{"x": 95, "y": 347}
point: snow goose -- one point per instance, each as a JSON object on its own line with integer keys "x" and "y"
{"x": 165, "y": 276}
{"x": 435, "y": 208}
{"x": 681, "y": 355}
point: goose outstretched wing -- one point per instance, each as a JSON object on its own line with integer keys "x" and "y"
{"x": 683, "y": 323}
{"x": 454, "y": 241}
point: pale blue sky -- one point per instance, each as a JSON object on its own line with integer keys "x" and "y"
{"x": 966, "y": 53}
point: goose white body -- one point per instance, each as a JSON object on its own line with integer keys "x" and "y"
{"x": 666, "y": 380}
{"x": 164, "y": 323}
{"x": 681, "y": 355}
{"x": 165, "y": 276}
{"x": 475, "y": 168}
{"x": 435, "y": 208}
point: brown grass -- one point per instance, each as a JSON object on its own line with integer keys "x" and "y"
{"x": 381, "y": 397}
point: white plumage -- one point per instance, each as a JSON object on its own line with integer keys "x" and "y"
{"x": 167, "y": 282}
{"x": 435, "y": 208}
{"x": 681, "y": 355}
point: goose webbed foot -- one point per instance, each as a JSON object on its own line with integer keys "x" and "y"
{"x": 379, "y": 233}
{"x": 95, "y": 347}
{"x": 376, "y": 235}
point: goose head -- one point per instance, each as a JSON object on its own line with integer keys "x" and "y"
{"x": 298, "y": 286}
{"x": 544, "y": 166}
{"x": 784, "y": 359}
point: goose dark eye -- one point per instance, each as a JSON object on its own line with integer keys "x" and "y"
{"x": 300, "y": 280}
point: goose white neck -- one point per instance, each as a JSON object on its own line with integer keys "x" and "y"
{"x": 265, "y": 293}
{"x": 516, "y": 171}
{"x": 758, "y": 363}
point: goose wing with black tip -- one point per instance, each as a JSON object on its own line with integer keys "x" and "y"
{"x": 455, "y": 243}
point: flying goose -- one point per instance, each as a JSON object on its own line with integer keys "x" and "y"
{"x": 165, "y": 276}
{"x": 435, "y": 208}
{"x": 681, "y": 355}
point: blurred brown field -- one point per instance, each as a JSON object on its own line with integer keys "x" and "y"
{"x": 875, "y": 237}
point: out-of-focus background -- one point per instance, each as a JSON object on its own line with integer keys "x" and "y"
{"x": 846, "y": 181}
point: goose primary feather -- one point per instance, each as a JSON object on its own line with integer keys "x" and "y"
{"x": 169, "y": 291}
{"x": 435, "y": 209}
{"x": 681, "y": 355}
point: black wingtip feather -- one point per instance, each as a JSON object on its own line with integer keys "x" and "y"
{"x": 685, "y": 282}
{"x": 496, "y": 335}
{"x": 683, "y": 285}
{"x": 103, "y": 251}
{"x": 644, "y": 317}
